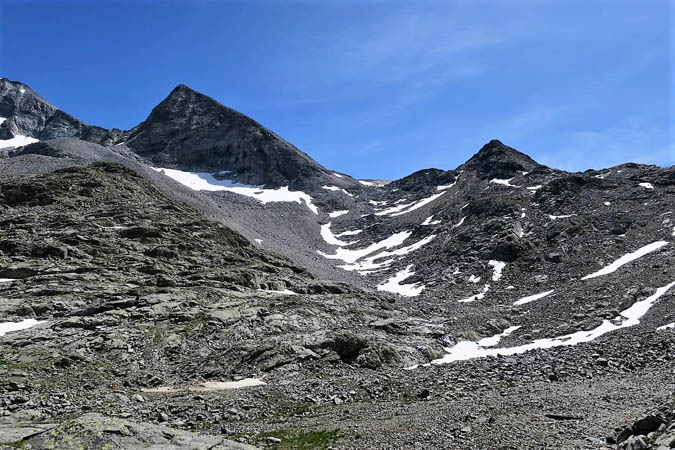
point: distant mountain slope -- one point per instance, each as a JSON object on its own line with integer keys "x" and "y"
{"x": 25, "y": 113}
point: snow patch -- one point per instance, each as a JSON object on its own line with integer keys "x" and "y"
{"x": 351, "y": 256}
{"x": 335, "y": 188}
{"x": 446, "y": 186}
{"x": 259, "y": 241}
{"x": 665, "y": 327}
{"x": 338, "y": 213}
{"x": 625, "y": 259}
{"x": 494, "y": 340}
{"x": 7, "y": 327}
{"x": 503, "y": 182}
{"x": 348, "y": 233}
{"x": 461, "y": 221}
{"x": 201, "y": 181}
{"x": 394, "y": 284}
{"x": 369, "y": 265}
{"x": 474, "y": 279}
{"x": 465, "y": 350}
{"x": 209, "y": 386}
{"x": 282, "y": 292}
{"x": 646, "y": 185}
{"x": 338, "y": 175}
{"x": 475, "y": 297}
{"x": 330, "y": 238}
{"x": 607, "y": 203}
{"x": 428, "y": 221}
{"x": 534, "y": 188}
{"x": 531, "y": 298}
{"x": 497, "y": 267}
{"x": 17, "y": 141}
{"x": 6, "y": 280}
{"x": 564, "y": 216}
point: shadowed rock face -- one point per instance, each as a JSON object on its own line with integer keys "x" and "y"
{"x": 191, "y": 131}
{"x": 28, "y": 114}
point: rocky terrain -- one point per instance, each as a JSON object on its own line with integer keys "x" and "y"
{"x": 198, "y": 282}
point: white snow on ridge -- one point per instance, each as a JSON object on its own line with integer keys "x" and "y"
{"x": 625, "y": 259}
{"x": 465, "y": 350}
{"x": 201, "y": 181}
{"x": 503, "y": 182}
{"x": 6, "y": 327}
{"x": 338, "y": 213}
{"x": 531, "y": 298}
{"x": 646, "y": 185}
{"x": 497, "y": 267}
{"x": 666, "y": 327}
{"x": 394, "y": 285}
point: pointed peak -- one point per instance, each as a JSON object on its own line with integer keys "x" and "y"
{"x": 497, "y": 160}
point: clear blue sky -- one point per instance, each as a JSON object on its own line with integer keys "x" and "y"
{"x": 376, "y": 89}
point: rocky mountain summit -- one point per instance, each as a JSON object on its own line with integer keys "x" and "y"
{"x": 198, "y": 282}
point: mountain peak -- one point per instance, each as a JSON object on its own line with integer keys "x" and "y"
{"x": 497, "y": 160}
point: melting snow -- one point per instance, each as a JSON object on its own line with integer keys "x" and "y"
{"x": 564, "y": 216}
{"x": 625, "y": 259}
{"x": 428, "y": 221}
{"x": 504, "y": 182}
{"x": 368, "y": 264}
{"x": 351, "y": 256}
{"x": 408, "y": 207}
{"x": 224, "y": 385}
{"x": 17, "y": 141}
{"x": 338, "y": 213}
{"x": 200, "y": 181}
{"x": 494, "y": 340}
{"x": 477, "y": 296}
{"x": 665, "y": 327}
{"x": 630, "y": 317}
{"x": 7, "y": 327}
{"x": 531, "y": 298}
{"x": 330, "y": 238}
{"x": 497, "y": 267}
{"x": 335, "y": 188}
{"x": 446, "y": 186}
{"x": 394, "y": 284}
{"x": 348, "y": 233}
{"x": 646, "y": 185}
{"x": 282, "y": 292}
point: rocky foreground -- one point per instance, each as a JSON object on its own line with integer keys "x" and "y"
{"x": 501, "y": 305}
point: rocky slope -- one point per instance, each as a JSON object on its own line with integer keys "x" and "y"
{"x": 502, "y": 304}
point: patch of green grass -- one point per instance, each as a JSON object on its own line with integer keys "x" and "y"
{"x": 299, "y": 440}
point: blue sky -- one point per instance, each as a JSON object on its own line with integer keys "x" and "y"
{"x": 376, "y": 89}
